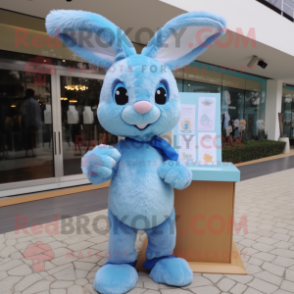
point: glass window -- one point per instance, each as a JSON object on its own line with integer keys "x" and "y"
{"x": 198, "y": 87}
{"x": 180, "y": 84}
{"x": 232, "y": 109}
{"x": 26, "y": 151}
{"x": 81, "y": 130}
{"x": 288, "y": 114}
{"x": 254, "y": 123}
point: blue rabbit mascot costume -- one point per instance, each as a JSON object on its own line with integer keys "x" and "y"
{"x": 139, "y": 101}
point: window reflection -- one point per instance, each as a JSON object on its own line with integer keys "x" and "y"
{"x": 242, "y": 110}
{"x": 288, "y": 114}
{"x": 25, "y": 137}
{"x": 81, "y": 130}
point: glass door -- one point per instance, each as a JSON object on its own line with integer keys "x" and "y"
{"x": 79, "y": 126}
{"x": 26, "y": 125}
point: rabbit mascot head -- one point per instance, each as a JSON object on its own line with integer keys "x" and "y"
{"x": 139, "y": 100}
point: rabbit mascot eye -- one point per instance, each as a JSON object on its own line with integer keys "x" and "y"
{"x": 139, "y": 101}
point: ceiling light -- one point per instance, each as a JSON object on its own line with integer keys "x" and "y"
{"x": 76, "y": 87}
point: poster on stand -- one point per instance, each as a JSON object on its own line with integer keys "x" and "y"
{"x": 206, "y": 113}
{"x": 197, "y": 137}
{"x": 207, "y": 149}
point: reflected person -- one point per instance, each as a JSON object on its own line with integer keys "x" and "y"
{"x": 31, "y": 115}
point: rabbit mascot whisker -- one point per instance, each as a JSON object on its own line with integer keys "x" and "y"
{"x": 139, "y": 101}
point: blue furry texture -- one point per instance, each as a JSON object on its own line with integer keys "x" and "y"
{"x": 141, "y": 76}
{"x": 175, "y": 174}
{"x": 122, "y": 238}
{"x": 115, "y": 279}
{"x": 172, "y": 271}
{"x": 63, "y": 23}
{"x": 119, "y": 278}
{"x": 192, "y": 19}
{"x": 100, "y": 163}
{"x": 136, "y": 190}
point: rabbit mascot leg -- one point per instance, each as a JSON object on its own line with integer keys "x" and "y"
{"x": 139, "y": 101}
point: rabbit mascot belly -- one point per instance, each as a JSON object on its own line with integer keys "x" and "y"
{"x": 139, "y": 101}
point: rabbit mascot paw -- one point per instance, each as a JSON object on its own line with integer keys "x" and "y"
{"x": 139, "y": 101}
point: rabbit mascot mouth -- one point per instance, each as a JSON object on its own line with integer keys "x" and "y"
{"x": 139, "y": 101}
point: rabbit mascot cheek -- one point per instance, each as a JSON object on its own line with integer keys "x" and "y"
{"x": 139, "y": 101}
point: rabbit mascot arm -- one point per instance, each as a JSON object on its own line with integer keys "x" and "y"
{"x": 139, "y": 100}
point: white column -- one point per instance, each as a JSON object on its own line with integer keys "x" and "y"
{"x": 273, "y": 105}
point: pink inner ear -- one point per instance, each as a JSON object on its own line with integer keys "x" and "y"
{"x": 142, "y": 106}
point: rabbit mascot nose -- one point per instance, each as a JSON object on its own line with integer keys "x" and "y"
{"x": 139, "y": 100}
{"x": 142, "y": 107}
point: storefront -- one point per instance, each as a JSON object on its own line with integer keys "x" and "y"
{"x": 288, "y": 110}
{"x": 44, "y": 133}
{"x": 243, "y": 96}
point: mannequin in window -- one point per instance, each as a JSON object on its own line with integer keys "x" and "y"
{"x": 31, "y": 117}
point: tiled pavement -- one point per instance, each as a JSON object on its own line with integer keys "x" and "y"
{"x": 268, "y": 203}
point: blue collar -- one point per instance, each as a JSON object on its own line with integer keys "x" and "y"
{"x": 162, "y": 146}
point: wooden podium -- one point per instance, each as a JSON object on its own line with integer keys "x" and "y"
{"x": 204, "y": 213}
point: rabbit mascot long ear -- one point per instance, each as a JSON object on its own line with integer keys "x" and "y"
{"x": 139, "y": 101}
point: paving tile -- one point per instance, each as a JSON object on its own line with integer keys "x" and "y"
{"x": 27, "y": 281}
{"x": 252, "y": 291}
{"x": 274, "y": 269}
{"x": 66, "y": 274}
{"x": 213, "y": 277}
{"x": 253, "y": 269}
{"x": 75, "y": 289}
{"x": 262, "y": 247}
{"x": 61, "y": 284}
{"x": 283, "y": 261}
{"x": 22, "y": 270}
{"x": 58, "y": 291}
{"x": 247, "y": 242}
{"x": 283, "y": 253}
{"x": 3, "y": 275}
{"x": 238, "y": 289}
{"x": 226, "y": 284}
{"x": 263, "y": 286}
{"x": 7, "y": 284}
{"x": 283, "y": 245}
{"x": 287, "y": 286}
{"x": 80, "y": 246}
{"x": 290, "y": 276}
{"x": 255, "y": 261}
{"x": 269, "y": 277}
{"x": 7, "y": 251}
{"x": 247, "y": 251}
{"x": 83, "y": 265}
{"x": 252, "y": 236}
{"x": 205, "y": 290}
{"x": 264, "y": 233}
{"x": 157, "y": 292}
{"x": 282, "y": 292}
{"x": 240, "y": 278}
{"x": 282, "y": 237}
{"x": 198, "y": 281}
{"x": 38, "y": 287}
{"x": 11, "y": 264}
{"x": 137, "y": 291}
{"x": 265, "y": 256}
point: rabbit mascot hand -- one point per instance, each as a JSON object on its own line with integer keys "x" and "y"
{"x": 139, "y": 100}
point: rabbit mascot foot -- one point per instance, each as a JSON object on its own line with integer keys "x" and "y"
{"x": 139, "y": 101}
